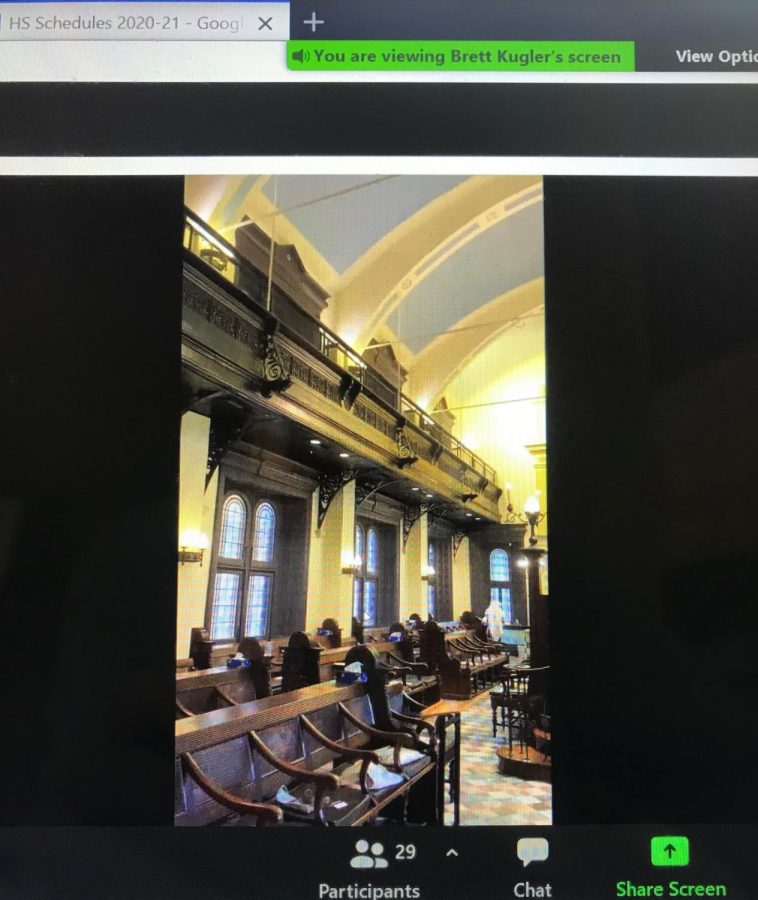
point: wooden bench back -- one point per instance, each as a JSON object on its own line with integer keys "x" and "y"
{"x": 219, "y": 743}
{"x": 207, "y": 689}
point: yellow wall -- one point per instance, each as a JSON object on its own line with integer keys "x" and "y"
{"x": 413, "y": 593}
{"x": 510, "y": 368}
{"x": 330, "y": 593}
{"x": 461, "y": 580}
{"x": 196, "y": 512}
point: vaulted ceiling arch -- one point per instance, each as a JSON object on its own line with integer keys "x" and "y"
{"x": 450, "y": 352}
{"x": 383, "y": 277}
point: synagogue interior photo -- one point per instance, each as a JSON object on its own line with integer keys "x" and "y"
{"x": 363, "y": 604}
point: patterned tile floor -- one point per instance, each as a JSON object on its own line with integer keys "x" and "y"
{"x": 488, "y": 798}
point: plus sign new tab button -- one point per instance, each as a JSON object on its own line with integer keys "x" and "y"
{"x": 668, "y": 850}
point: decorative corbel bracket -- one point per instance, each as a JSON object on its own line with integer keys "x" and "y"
{"x": 406, "y": 452}
{"x": 223, "y": 433}
{"x": 276, "y": 380}
{"x": 411, "y": 515}
{"x": 329, "y": 485}
{"x": 350, "y": 387}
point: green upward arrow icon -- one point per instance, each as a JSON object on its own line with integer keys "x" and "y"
{"x": 669, "y": 850}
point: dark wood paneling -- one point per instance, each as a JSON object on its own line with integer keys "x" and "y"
{"x": 442, "y": 536}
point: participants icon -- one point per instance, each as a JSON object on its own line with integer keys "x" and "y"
{"x": 363, "y": 861}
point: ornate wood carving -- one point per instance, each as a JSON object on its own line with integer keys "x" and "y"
{"x": 289, "y": 272}
{"x": 411, "y": 515}
{"x": 436, "y": 452}
{"x": 329, "y": 485}
{"x": 349, "y": 389}
{"x": 275, "y": 377}
{"x": 282, "y": 365}
{"x": 406, "y": 452}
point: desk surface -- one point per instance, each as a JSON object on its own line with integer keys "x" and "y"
{"x": 444, "y": 708}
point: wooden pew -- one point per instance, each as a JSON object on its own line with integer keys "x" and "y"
{"x": 465, "y": 668}
{"x": 220, "y": 687}
{"x": 302, "y": 740}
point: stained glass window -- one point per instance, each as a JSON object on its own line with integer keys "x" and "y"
{"x": 233, "y": 522}
{"x": 357, "y": 595}
{"x": 263, "y": 539}
{"x": 500, "y": 569}
{"x": 224, "y": 611}
{"x": 431, "y": 587}
{"x": 359, "y": 543}
{"x": 369, "y": 603}
{"x": 258, "y": 603}
{"x": 372, "y": 560}
{"x": 503, "y": 594}
{"x": 241, "y": 590}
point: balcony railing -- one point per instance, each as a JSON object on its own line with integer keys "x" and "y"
{"x": 210, "y": 247}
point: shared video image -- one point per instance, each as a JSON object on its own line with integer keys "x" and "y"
{"x": 362, "y": 609}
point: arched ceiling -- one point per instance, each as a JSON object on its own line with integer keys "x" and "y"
{"x": 435, "y": 265}
{"x": 495, "y": 262}
{"x": 344, "y": 216}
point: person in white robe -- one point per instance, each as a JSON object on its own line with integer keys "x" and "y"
{"x": 494, "y": 618}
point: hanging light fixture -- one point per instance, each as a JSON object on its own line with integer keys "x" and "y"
{"x": 532, "y": 514}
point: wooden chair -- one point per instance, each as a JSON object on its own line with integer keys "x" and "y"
{"x": 216, "y": 787}
{"x": 516, "y": 704}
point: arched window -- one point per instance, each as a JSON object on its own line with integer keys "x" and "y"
{"x": 358, "y": 581}
{"x": 365, "y": 583}
{"x": 372, "y": 554}
{"x": 431, "y": 584}
{"x": 359, "y": 543}
{"x": 500, "y": 578}
{"x": 500, "y": 568}
{"x": 240, "y": 603}
{"x": 263, "y": 539}
{"x": 233, "y": 521}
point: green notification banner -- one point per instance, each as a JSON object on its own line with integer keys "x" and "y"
{"x": 461, "y": 56}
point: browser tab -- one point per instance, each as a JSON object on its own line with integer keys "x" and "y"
{"x": 144, "y": 21}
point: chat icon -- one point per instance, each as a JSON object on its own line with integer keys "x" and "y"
{"x": 532, "y": 849}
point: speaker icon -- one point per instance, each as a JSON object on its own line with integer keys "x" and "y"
{"x": 301, "y": 56}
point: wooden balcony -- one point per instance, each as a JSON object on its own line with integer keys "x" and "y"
{"x": 284, "y": 361}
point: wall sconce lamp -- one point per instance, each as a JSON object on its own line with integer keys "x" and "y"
{"x": 192, "y": 546}
{"x": 427, "y": 572}
{"x": 351, "y": 564}
{"x": 532, "y": 514}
